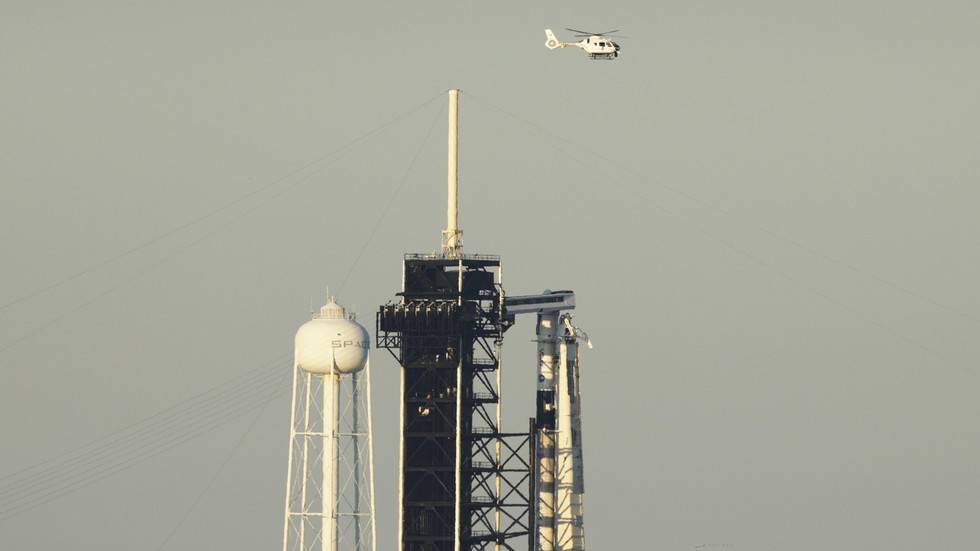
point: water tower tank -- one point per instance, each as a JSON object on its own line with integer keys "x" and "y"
{"x": 330, "y": 339}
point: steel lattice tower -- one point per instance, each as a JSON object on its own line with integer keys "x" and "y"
{"x": 464, "y": 484}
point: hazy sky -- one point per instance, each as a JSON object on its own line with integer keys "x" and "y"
{"x": 767, "y": 212}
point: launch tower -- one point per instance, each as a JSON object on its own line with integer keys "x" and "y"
{"x": 464, "y": 483}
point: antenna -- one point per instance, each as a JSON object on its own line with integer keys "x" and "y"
{"x": 452, "y": 237}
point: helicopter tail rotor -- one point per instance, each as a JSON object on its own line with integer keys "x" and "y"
{"x": 552, "y": 41}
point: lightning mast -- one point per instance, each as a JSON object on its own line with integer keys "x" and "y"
{"x": 452, "y": 236}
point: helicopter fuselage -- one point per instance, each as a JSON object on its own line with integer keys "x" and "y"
{"x": 599, "y": 47}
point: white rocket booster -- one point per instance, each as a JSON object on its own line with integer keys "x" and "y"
{"x": 557, "y": 470}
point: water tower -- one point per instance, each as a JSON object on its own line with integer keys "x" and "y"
{"x": 330, "y": 484}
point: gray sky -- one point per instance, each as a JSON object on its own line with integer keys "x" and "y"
{"x": 767, "y": 212}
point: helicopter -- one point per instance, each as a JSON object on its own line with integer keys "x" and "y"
{"x": 594, "y": 44}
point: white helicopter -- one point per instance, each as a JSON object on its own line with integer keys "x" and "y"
{"x": 594, "y": 44}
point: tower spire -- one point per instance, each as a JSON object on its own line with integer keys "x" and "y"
{"x": 452, "y": 236}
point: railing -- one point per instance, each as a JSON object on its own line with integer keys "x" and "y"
{"x": 482, "y": 396}
{"x": 440, "y": 256}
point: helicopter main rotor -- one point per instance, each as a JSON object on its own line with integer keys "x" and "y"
{"x": 587, "y": 34}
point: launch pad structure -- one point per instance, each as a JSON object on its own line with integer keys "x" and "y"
{"x": 464, "y": 483}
